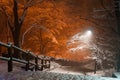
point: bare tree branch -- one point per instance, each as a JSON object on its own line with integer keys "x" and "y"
{"x": 25, "y": 34}
{"x": 109, "y": 13}
{"x": 35, "y": 2}
{"x": 15, "y": 11}
{"x": 21, "y": 20}
{"x": 100, "y": 26}
{"x": 28, "y": 4}
{"x": 32, "y": 3}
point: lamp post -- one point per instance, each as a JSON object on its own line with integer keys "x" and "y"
{"x": 89, "y": 35}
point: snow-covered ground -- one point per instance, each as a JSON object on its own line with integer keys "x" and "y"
{"x": 16, "y": 66}
{"x": 77, "y": 70}
{"x": 23, "y": 75}
{"x": 56, "y": 72}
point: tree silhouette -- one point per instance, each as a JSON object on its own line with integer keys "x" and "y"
{"x": 15, "y": 19}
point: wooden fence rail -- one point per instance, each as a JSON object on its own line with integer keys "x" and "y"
{"x": 44, "y": 62}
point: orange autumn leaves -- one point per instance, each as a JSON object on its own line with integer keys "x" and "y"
{"x": 53, "y": 22}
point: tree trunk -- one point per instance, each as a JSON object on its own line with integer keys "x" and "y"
{"x": 16, "y": 30}
{"x": 117, "y": 13}
{"x": 118, "y": 62}
{"x": 17, "y": 42}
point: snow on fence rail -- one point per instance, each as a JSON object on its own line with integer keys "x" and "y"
{"x": 45, "y": 62}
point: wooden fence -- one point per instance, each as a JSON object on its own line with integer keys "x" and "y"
{"x": 37, "y": 63}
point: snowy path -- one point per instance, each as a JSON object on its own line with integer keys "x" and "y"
{"x": 4, "y": 66}
{"x": 47, "y": 76}
{"x": 57, "y": 72}
{"x": 87, "y": 69}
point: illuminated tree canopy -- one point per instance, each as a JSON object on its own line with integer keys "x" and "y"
{"x": 47, "y": 26}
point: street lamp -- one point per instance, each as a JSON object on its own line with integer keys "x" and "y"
{"x": 81, "y": 40}
{"x": 86, "y": 37}
{"x": 89, "y": 33}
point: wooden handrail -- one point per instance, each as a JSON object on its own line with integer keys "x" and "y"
{"x": 10, "y": 58}
{"x": 21, "y": 50}
{"x": 4, "y": 58}
{"x": 19, "y": 60}
{"x": 3, "y": 44}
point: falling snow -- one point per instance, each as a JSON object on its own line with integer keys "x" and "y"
{"x": 80, "y": 41}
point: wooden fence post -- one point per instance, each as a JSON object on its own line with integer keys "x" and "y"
{"x": 27, "y": 59}
{"x": 42, "y": 64}
{"x": 10, "y": 64}
{"x": 95, "y": 67}
{"x": 49, "y": 63}
{"x": 45, "y": 63}
{"x": 36, "y": 63}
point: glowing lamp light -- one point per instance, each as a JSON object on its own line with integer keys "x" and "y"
{"x": 87, "y": 36}
{"x": 81, "y": 41}
{"x": 89, "y": 33}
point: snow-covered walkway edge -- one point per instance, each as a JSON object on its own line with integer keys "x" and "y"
{"x": 56, "y": 72}
{"x": 23, "y": 75}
